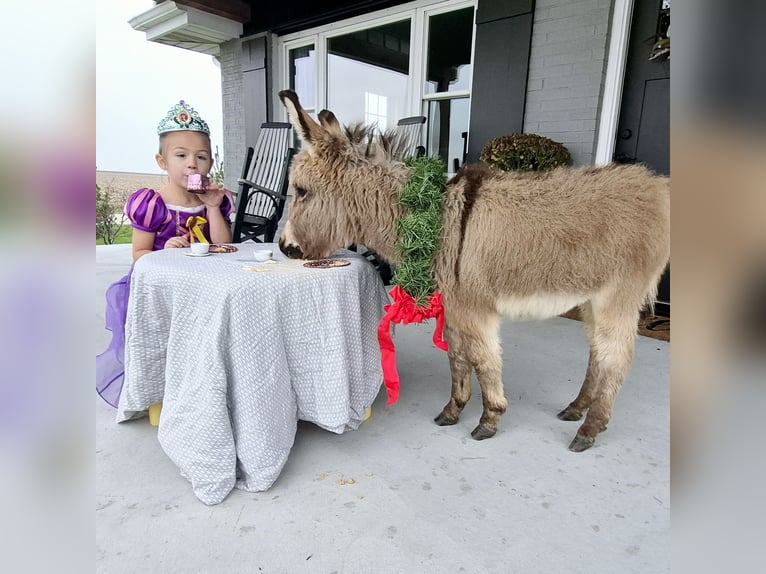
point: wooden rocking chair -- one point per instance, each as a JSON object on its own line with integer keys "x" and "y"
{"x": 263, "y": 186}
{"x": 410, "y": 130}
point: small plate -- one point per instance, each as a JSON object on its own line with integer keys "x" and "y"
{"x": 190, "y": 254}
{"x": 326, "y": 263}
{"x": 222, "y": 248}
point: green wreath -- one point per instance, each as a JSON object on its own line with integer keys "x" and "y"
{"x": 420, "y": 231}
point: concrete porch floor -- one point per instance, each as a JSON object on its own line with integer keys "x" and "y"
{"x": 423, "y": 498}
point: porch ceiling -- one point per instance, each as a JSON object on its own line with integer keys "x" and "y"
{"x": 185, "y": 26}
{"x": 201, "y": 25}
{"x": 296, "y": 15}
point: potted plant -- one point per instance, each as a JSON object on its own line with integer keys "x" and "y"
{"x": 525, "y": 152}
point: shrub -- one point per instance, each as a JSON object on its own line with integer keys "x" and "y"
{"x": 525, "y": 152}
{"x": 216, "y": 174}
{"x": 109, "y": 218}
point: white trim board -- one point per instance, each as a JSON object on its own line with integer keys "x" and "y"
{"x": 613, "y": 83}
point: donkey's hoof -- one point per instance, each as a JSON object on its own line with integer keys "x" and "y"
{"x": 481, "y": 432}
{"x": 443, "y": 420}
{"x": 569, "y": 414}
{"x": 581, "y": 443}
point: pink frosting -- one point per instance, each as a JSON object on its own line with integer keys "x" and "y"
{"x": 195, "y": 181}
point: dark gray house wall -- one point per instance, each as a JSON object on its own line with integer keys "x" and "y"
{"x": 246, "y": 86}
{"x": 501, "y": 57}
{"x": 254, "y": 85}
{"x": 234, "y": 141}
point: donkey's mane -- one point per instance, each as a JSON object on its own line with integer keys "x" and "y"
{"x": 372, "y": 144}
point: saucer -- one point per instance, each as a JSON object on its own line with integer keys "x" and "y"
{"x": 190, "y": 254}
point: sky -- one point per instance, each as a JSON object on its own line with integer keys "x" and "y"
{"x": 137, "y": 82}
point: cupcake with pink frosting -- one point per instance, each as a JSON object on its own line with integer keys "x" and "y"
{"x": 196, "y": 183}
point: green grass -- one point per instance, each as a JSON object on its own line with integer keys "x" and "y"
{"x": 124, "y": 236}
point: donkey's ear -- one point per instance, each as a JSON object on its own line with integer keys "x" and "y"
{"x": 330, "y": 122}
{"x": 308, "y": 130}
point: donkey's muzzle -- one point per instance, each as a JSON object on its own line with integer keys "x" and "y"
{"x": 292, "y": 250}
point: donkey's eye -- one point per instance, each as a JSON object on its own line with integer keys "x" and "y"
{"x": 300, "y": 192}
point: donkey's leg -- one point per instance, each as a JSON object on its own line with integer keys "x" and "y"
{"x": 489, "y": 364}
{"x": 480, "y": 346}
{"x": 589, "y": 389}
{"x": 460, "y": 369}
{"x": 473, "y": 339}
{"x": 614, "y": 341}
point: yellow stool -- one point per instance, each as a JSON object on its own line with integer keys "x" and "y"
{"x": 154, "y": 414}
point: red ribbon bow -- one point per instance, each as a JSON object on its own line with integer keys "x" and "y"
{"x": 404, "y": 310}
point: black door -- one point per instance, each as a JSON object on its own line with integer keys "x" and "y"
{"x": 643, "y": 134}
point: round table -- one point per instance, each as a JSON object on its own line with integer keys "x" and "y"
{"x": 238, "y": 351}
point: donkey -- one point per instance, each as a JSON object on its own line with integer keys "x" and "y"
{"x": 521, "y": 245}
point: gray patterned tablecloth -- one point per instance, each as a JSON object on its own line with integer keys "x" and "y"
{"x": 239, "y": 351}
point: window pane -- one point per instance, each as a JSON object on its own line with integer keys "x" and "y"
{"x": 448, "y": 129}
{"x": 367, "y": 74}
{"x": 303, "y": 75}
{"x": 449, "y": 51}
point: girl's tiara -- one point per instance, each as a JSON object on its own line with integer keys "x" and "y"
{"x": 182, "y": 117}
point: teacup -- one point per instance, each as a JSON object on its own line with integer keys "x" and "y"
{"x": 262, "y": 255}
{"x": 199, "y": 248}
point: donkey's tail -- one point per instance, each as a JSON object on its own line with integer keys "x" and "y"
{"x": 651, "y": 297}
{"x": 654, "y": 282}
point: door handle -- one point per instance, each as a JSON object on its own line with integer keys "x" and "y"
{"x": 624, "y": 158}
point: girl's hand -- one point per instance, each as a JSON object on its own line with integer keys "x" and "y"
{"x": 177, "y": 242}
{"x": 213, "y": 195}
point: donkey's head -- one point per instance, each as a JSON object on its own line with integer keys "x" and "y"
{"x": 319, "y": 222}
{"x": 341, "y": 180}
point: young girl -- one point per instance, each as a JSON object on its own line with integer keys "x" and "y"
{"x": 159, "y": 222}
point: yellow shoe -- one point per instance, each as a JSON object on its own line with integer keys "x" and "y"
{"x": 368, "y": 414}
{"x": 154, "y": 414}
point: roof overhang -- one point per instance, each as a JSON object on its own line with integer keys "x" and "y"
{"x": 186, "y": 27}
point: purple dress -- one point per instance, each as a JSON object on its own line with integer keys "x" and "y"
{"x": 146, "y": 211}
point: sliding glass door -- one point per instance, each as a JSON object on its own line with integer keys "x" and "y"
{"x": 367, "y": 73}
{"x": 416, "y": 59}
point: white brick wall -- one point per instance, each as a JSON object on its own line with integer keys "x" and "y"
{"x": 566, "y": 73}
{"x": 233, "y": 112}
